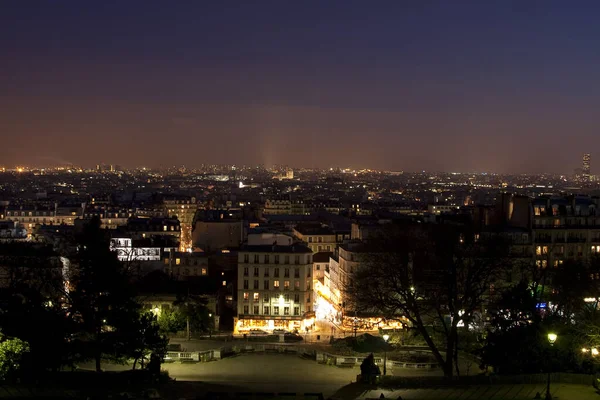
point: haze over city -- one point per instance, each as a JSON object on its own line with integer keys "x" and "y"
{"x": 446, "y": 86}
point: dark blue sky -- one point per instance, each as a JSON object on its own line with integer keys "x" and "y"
{"x": 505, "y": 86}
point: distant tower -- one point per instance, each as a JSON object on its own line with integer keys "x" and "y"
{"x": 585, "y": 170}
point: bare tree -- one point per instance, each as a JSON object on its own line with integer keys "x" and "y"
{"x": 436, "y": 276}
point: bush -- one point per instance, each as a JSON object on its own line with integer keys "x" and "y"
{"x": 12, "y": 352}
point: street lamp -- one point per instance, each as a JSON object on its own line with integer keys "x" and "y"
{"x": 386, "y": 337}
{"x": 551, "y": 339}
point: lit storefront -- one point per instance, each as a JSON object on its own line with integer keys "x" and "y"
{"x": 244, "y": 325}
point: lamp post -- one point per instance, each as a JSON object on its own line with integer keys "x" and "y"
{"x": 386, "y": 337}
{"x": 551, "y": 339}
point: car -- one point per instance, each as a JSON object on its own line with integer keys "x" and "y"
{"x": 279, "y": 331}
{"x": 257, "y": 332}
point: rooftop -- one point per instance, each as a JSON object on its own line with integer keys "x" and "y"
{"x": 294, "y": 248}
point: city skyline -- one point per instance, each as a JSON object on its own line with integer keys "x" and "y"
{"x": 437, "y": 87}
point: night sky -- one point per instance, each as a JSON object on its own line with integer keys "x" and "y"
{"x": 501, "y": 86}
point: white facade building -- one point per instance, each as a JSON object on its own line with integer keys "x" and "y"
{"x": 275, "y": 287}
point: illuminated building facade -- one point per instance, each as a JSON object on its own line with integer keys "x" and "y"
{"x": 318, "y": 238}
{"x": 184, "y": 209}
{"x": 127, "y": 252}
{"x": 585, "y": 167}
{"x": 275, "y": 287}
{"x": 29, "y": 217}
{"x": 281, "y": 205}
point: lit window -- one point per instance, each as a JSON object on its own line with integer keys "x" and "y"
{"x": 246, "y": 296}
{"x": 276, "y": 284}
{"x": 224, "y": 283}
{"x": 165, "y": 228}
{"x": 177, "y": 261}
{"x": 286, "y": 285}
{"x": 538, "y": 250}
{"x": 256, "y": 296}
{"x": 203, "y": 271}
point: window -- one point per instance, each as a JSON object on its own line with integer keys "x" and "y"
{"x": 266, "y": 310}
{"x": 245, "y": 271}
{"x": 296, "y": 298}
{"x": 245, "y": 283}
{"x": 266, "y": 285}
{"x": 595, "y": 249}
{"x": 296, "y": 272}
{"x": 256, "y": 284}
{"x": 544, "y": 249}
{"x": 286, "y": 298}
{"x": 256, "y": 259}
{"x": 266, "y": 258}
{"x": 246, "y": 258}
{"x": 297, "y": 285}
{"x": 165, "y": 228}
{"x": 255, "y": 271}
{"x": 177, "y": 261}
{"x": 296, "y": 310}
{"x": 308, "y": 298}
{"x": 246, "y": 309}
{"x": 286, "y": 273}
{"x": 266, "y": 272}
{"x": 224, "y": 283}
{"x": 297, "y": 260}
{"x": 166, "y": 261}
{"x": 276, "y": 273}
{"x": 266, "y": 297}
{"x": 245, "y": 296}
{"x": 287, "y": 260}
{"x": 276, "y": 284}
{"x": 320, "y": 248}
{"x": 275, "y": 310}
{"x": 318, "y": 267}
{"x": 203, "y": 271}
{"x": 320, "y": 239}
{"x": 286, "y": 311}
{"x": 277, "y": 259}
{"x": 308, "y": 273}
{"x": 256, "y": 297}
{"x": 256, "y": 310}
{"x": 286, "y": 285}
{"x": 328, "y": 248}
{"x": 310, "y": 239}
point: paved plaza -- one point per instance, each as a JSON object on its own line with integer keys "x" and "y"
{"x": 279, "y": 373}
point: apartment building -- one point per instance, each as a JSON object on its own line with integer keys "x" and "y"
{"x": 275, "y": 287}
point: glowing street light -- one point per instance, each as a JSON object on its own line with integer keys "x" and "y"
{"x": 386, "y": 337}
{"x": 551, "y": 339}
{"x": 594, "y": 352}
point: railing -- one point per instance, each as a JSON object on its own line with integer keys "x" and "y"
{"x": 439, "y": 381}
